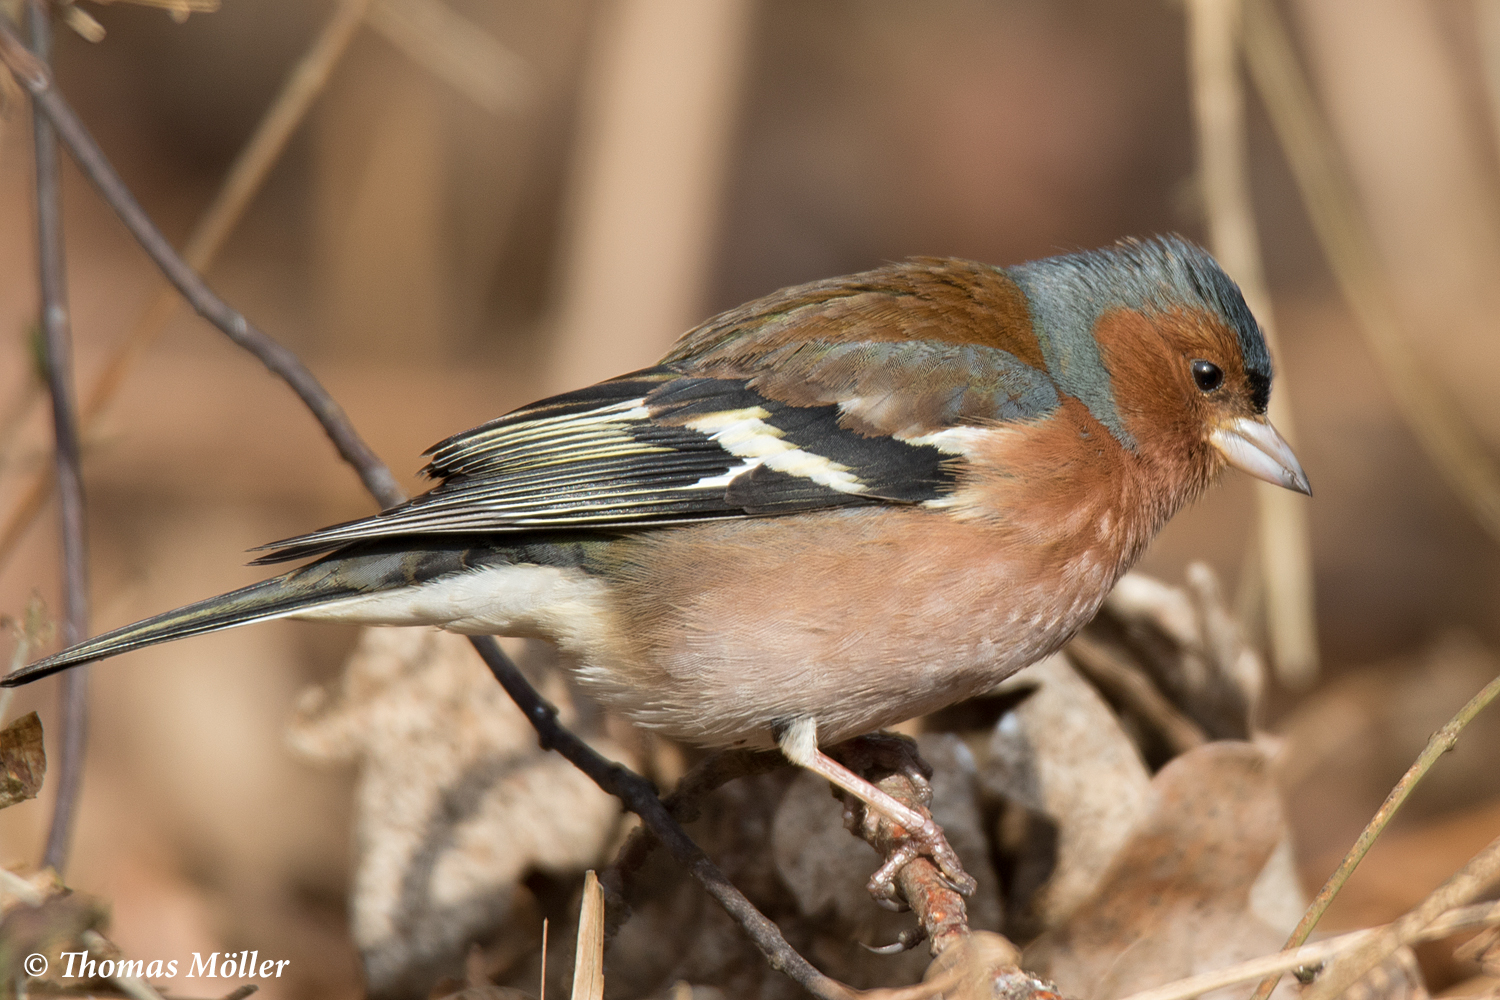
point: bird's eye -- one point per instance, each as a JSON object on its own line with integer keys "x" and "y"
{"x": 1207, "y": 375}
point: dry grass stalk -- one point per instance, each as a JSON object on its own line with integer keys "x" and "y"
{"x": 1464, "y": 918}
{"x": 1285, "y": 552}
{"x": 1441, "y": 742}
{"x": 1444, "y": 432}
{"x": 1468, "y": 882}
{"x": 588, "y": 960}
{"x": 189, "y": 6}
{"x": 456, "y": 51}
{"x": 132, "y": 986}
{"x": 83, "y": 23}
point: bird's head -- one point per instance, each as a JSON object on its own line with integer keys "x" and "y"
{"x": 1157, "y": 341}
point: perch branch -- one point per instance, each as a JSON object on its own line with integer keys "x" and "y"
{"x": 57, "y": 340}
{"x": 631, "y": 789}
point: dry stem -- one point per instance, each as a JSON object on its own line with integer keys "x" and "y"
{"x": 1441, "y": 742}
{"x": 1444, "y": 432}
{"x": 1219, "y": 106}
{"x": 57, "y": 337}
{"x": 1467, "y": 883}
{"x": 1464, "y": 918}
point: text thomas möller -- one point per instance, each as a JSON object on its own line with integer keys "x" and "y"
{"x": 241, "y": 965}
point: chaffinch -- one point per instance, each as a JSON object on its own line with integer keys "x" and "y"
{"x": 834, "y": 508}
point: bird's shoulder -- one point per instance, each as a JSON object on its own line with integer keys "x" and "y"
{"x": 945, "y": 301}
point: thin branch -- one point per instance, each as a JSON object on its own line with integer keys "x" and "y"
{"x": 244, "y": 180}
{"x": 58, "y": 340}
{"x": 1442, "y": 429}
{"x": 1442, "y": 741}
{"x": 37, "y": 79}
{"x": 1219, "y": 109}
{"x": 634, "y": 791}
{"x": 1469, "y": 882}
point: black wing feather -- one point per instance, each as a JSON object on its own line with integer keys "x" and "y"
{"x": 624, "y": 454}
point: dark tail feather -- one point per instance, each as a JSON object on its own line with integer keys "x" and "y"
{"x": 274, "y": 598}
{"x": 358, "y": 569}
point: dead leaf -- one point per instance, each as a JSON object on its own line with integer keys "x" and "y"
{"x": 455, "y": 802}
{"x": 1397, "y": 978}
{"x": 1176, "y": 900}
{"x": 986, "y": 966}
{"x": 1062, "y": 754}
{"x": 1190, "y": 644}
{"x": 23, "y": 760}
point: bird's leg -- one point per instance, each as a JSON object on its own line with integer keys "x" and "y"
{"x": 799, "y": 741}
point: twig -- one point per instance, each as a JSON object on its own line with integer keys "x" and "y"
{"x": 57, "y": 337}
{"x": 1464, "y": 918}
{"x": 1471, "y": 880}
{"x": 635, "y": 792}
{"x": 37, "y": 79}
{"x": 1219, "y": 107}
{"x": 1441, "y": 742}
{"x": 1444, "y": 432}
{"x": 305, "y": 82}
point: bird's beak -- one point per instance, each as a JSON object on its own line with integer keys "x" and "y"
{"x": 1253, "y": 446}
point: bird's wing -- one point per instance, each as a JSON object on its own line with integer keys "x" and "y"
{"x": 776, "y": 426}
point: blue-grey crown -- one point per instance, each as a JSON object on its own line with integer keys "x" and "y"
{"x": 1069, "y": 293}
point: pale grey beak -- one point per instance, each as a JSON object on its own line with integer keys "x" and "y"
{"x": 1253, "y": 446}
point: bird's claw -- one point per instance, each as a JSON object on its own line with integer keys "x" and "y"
{"x": 928, "y": 840}
{"x": 902, "y": 842}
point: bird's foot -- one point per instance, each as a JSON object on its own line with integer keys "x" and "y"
{"x": 895, "y": 819}
{"x": 903, "y": 844}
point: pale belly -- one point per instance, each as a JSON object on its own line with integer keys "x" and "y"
{"x": 856, "y": 620}
{"x": 721, "y": 633}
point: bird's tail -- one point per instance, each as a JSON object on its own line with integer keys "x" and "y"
{"x": 346, "y": 574}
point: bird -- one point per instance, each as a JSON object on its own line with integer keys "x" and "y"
{"x": 839, "y": 506}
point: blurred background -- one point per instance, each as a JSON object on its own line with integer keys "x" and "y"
{"x": 493, "y": 201}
